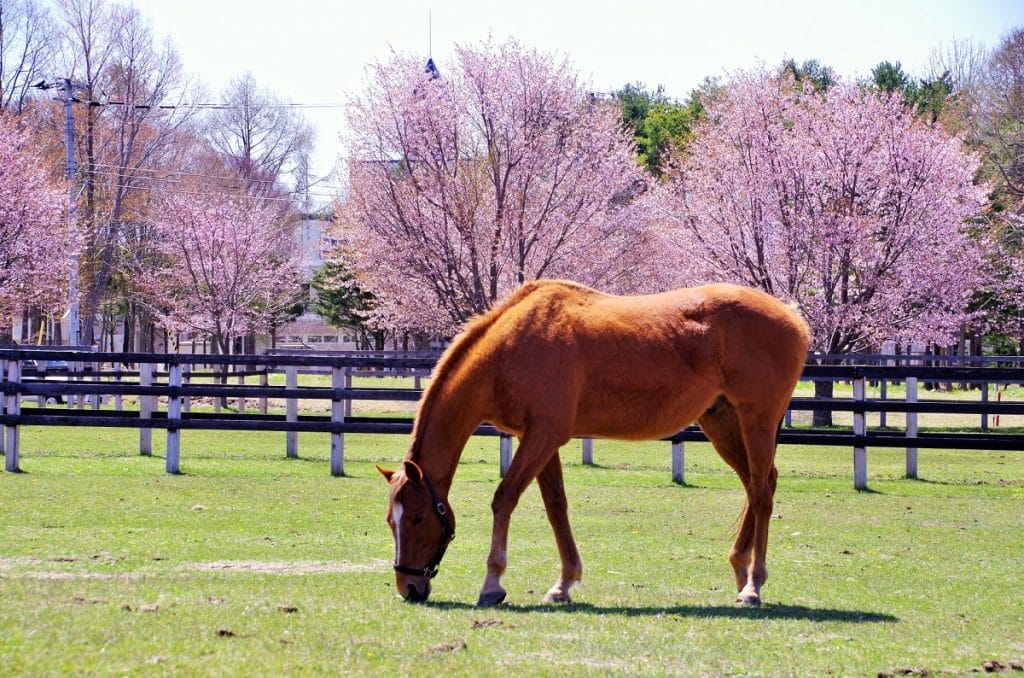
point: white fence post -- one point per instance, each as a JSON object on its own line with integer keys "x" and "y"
{"x": 984, "y": 401}
{"x": 217, "y": 380}
{"x": 678, "y": 463}
{"x": 337, "y": 417}
{"x": 97, "y": 402}
{"x": 504, "y": 454}
{"x": 588, "y": 451}
{"x": 911, "y": 427}
{"x": 291, "y": 438}
{"x": 79, "y": 369}
{"x": 264, "y": 383}
{"x": 146, "y": 409}
{"x": 173, "y": 419}
{"x": 860, "y": 453}
{"x": 241, "y": 397}
{"x": 882, "y": 395}
{"x": 11, "y": 451}
{"x": 118, "y": 398}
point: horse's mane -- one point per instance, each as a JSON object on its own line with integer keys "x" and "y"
{"x": 463, "y": 343}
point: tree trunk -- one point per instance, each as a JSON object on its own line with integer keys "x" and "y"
{"x": 823, "y": 389}
{"x": 129, "y": 325}
{"x": 222, "y": 345}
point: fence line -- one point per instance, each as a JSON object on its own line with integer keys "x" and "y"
{"x": 179, "y": 389}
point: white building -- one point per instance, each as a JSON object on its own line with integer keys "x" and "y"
{"x": 310, "y": 330}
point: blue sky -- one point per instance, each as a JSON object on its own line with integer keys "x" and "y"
{"x": 315, "y": 51}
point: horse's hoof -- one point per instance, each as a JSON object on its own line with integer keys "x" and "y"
{"x": 491, "y": 599}
{"x": 748, "y": 599}
{"x": 557, "y": 597}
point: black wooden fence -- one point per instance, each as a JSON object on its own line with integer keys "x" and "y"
{"x": 70, "y": 390}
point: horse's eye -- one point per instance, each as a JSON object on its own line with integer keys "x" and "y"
{"x": 417, "y": 520}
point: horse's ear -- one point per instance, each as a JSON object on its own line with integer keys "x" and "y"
{"x": 386, "y": 472}
{"x": 413, "y": 472}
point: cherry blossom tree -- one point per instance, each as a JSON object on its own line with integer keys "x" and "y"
{"x": 469, "y": 182}
{"x": 34, "y": 240}
{"x": 133, "y": 127}
{"x": 843, "y": 203}
{"x": 221, "y": 265}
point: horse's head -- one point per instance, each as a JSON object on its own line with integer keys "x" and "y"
{"x": 422, "y": 523}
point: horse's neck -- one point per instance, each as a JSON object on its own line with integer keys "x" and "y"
{"x": 442, "y": 429}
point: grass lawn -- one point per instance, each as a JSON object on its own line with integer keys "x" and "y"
{"x": 251, "y": 564}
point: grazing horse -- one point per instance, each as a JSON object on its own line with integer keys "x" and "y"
{"x": 557, "y": 360}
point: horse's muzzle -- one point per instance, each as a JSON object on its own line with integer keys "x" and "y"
{"x": 417, "y": 593}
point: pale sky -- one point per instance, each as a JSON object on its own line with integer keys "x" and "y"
{"x": 316, "y": 51}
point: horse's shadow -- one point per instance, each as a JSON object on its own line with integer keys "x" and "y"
{"x": 769, "y": 611}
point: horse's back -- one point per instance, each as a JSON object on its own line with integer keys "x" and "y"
{"x": 641, "y": 366}
{"x": 683, "y": 321}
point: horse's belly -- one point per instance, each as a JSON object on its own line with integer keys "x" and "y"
{"x": 642, "y": 414}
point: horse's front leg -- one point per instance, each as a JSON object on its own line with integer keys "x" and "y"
{"x": 533, "y": 454}
{"x": 552, "y": 489}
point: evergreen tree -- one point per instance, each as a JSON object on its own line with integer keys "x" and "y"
{"x": 659, "y": 124}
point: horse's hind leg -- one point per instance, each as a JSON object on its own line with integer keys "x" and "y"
{"x": 534, "y": 452}
{"x": 721, "y": 425}
{"x": 552, "y": 490}
{"x": 759, "y": 429}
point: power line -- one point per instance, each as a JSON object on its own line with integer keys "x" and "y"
{"x": 69, "y": 89}
{"x": 43, "y": 85}
{"x": 184, "y": 182}
{"x": 214, "y": 106}
{"x": 179, "y": 182}
{"x": 160, "y": 173}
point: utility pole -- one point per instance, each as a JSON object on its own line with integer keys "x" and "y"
{"x": 67, "y": 96}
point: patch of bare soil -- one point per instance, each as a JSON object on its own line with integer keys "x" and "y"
{"x": 54, "y": 576}
{"x": 297, "y": 567}
{"x": 17, "y": 568}
{"x": 443, "y": 648}
{"x": 993, "y": 666}
{"x": 11, "y": 563}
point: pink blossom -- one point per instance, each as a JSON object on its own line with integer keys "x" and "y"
{"x": 500, "y": 171}
{"x": 223, "y": 266}
{"x": 841, "y": 202}
{"x": 34, "y": 238}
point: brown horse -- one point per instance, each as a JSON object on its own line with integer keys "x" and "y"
{"x": 557, "y": 360}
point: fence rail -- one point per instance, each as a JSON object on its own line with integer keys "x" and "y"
{"x": 91, "y": 378}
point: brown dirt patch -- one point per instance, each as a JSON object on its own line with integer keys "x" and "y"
{"x": 296, "y": 567}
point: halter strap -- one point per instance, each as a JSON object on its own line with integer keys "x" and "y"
{"x": 447, "y": 534}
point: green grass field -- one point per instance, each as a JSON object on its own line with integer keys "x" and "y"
{"x": 251, "y": 564}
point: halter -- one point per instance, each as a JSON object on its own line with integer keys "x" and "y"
{"x": 447, "y": 534}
